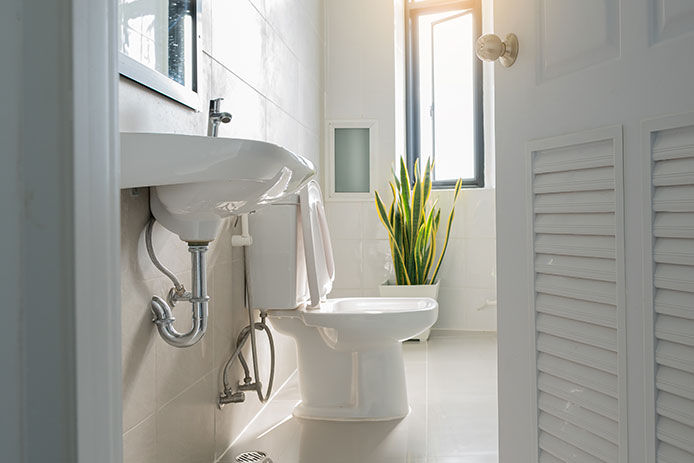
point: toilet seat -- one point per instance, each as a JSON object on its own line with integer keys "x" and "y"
{"x": 320, "y": 264}
{"x": 351, "y": 324}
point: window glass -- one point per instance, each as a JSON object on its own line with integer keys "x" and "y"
{"x": 352, "y": 156}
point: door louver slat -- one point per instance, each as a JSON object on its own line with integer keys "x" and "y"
{"x": 675, "y": 303}
{"x": 676, "y": 408}
{"x": 675, "y": 381}
{"x": 576, "y": 288}
{"x": 675, "y": 355}
{"x": 594, "y": 335}
{"x": 674, "y": 251}
{"x": 579, "y": 267}
{"x": 549, "y": 458}
{"x": 575, "y": 245}
{"x": 668, "y": 454}
{"x": 673, "y": 225}
{"x": 590, "y": 399}
{"x": 585, "y": 311}
{"x": 672, "y": 177}
{"x": 579, "y": 438}
{"x": 575, "y": 202}
{"x": 577, "y": 224}
{"x": 581, "y": 180}
{"x": 577, "y": 306}
{"x": 677, "y": 330}
{"x": 579, "y": 416}
{"x": 553, "y": 446}
{"x": 578, "y": 374}
{"x": 675, "y": 433}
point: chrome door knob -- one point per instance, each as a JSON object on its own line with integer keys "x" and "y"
{"x": 490, "y": 47}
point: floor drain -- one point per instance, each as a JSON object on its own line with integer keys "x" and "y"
{"x": 253, "y": 457}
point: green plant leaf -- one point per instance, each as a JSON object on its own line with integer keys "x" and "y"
{"x": 430, "y": 233}
{"x": 427, "y": 181}
{"x": 458, "y": 185}
{"x": 405, "y": 191}
{"x": 397, "y": 263}
{"x": 383, "y": 216}
{"x": 395, "y": 177}
{"x": 417, "y": 256}
{"x": 415, "y": 222}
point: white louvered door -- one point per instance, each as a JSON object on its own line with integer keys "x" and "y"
{"x": 594, "y": 130}
{"x": 576, "y": 245}
{"x": 671, "y": 155}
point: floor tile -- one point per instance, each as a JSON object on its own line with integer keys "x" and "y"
{"x": 453, "y": 419}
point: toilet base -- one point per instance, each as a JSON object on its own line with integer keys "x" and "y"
{"x": 350, "y": 363}
{"x": 374, "y": 387}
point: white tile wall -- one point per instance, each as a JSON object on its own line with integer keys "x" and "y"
{"x": 265, "y": 58}
{"x": 348, "y": 263}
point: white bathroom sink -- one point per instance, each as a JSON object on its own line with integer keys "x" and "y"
{"x": 198, "y": 181}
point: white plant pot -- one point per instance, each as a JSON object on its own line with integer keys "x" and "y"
{"x": 386, "y": 289}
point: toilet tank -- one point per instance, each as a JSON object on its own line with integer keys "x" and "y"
{"x": 276, "y": 263}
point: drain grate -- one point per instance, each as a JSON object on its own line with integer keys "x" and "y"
{"x": 256, "y": 456}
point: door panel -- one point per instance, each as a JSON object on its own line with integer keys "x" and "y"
{"x": 670, "y": 282}
{"x": 571, "y": 233}
{"x": 670, "y": 18}
{"x": 575, "y": 35}
{"x": 580, "y": 279}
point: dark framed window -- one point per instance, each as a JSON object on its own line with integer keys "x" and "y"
{"x": 444, "y": 90}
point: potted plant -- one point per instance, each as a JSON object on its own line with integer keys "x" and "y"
{"x": 412, "y": 224}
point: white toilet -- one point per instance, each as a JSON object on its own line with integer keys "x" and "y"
{"x": 348, "y": 350}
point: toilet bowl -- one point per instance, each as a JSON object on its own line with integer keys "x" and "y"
{"x": 349, "y": 352}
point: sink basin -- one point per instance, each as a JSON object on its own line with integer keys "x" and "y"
{"x": 199, "y": 181}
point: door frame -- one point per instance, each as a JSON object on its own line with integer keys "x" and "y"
{"x": 61, "y": 351}
{"x": 97, "y": 231}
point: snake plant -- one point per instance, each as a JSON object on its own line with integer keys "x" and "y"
{"x": 412, "y": 228}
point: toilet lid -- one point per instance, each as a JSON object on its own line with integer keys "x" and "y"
{"x": 320, "y": 266}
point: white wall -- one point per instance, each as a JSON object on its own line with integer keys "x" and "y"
{"x": 264, "y": 57}
{"x": 365, "y": 67}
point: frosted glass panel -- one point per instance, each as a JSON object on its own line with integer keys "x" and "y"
{"x": 352, "y": 160}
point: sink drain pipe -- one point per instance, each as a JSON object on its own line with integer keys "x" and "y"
{"x": 161, "y": 309}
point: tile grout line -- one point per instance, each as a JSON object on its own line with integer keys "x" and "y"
{"x": 202, "y": 378}
{"x": 264, "y": 96}
{"x": 151, "y": 415}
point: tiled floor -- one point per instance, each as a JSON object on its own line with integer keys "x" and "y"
{"x": 452, "y": 389}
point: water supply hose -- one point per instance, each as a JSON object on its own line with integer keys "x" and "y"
{"x": 228, "y": 395}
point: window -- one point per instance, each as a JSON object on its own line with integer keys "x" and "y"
{"x": 444, "y": 90}
{"x": 350, "y": 159}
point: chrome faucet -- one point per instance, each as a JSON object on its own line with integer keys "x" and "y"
{"x": 216, "y": 117}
